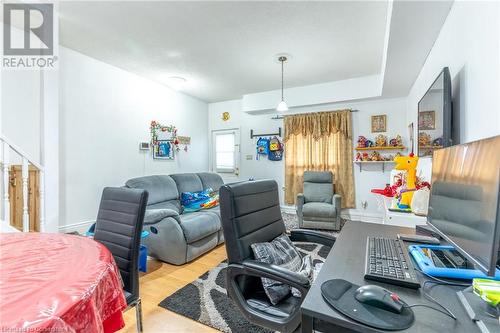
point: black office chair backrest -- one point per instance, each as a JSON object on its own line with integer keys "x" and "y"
{"x": 250, "y": 213}
{"x": 119, "y": 226}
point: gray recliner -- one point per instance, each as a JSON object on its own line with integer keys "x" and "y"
{"x": 318, "y": 207}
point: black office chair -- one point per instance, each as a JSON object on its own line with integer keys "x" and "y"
{"x": 118, "y": 227}
{"x": 250, "y": 214}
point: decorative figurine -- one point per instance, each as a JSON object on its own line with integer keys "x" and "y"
{"x": 365, "y": 157}
{"x": 408, "y": 163}
{"x": 424, "y": 139}
{"x": 358, "y": 156}
{"x": 396, "y": 142}
{"x": 381, "y": 140}
{"x": 438, "y": 142}
{"x": 369, "y": 143}
{"x": 362, "y": 141}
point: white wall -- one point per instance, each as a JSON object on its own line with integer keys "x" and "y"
{"x": 469, "y": 45}
{"x": 370, "y": 177}
{"x": 104, "y": 113}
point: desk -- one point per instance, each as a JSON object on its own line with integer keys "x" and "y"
{"x": 58, "y": 283}
{"x": 347, "y": 261}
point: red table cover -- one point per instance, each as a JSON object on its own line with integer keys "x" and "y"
{"x": 58, "y": 283}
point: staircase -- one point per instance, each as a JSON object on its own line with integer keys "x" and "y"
{"x": 6, "y": 150}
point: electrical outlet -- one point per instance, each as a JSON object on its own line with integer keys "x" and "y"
{"x": 249, "y": 157}
{"x": 364, "y": 203}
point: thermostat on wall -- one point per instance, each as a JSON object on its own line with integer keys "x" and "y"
{"x": 144, "y": 146}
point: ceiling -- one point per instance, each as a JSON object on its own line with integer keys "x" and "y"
{"x": 226, "y": 49}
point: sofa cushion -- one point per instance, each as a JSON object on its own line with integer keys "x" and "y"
{"x": 198, "y": 225}
{"x": 160, "y": 187}
{"x": 319, "y": 209}
{"x": 170, "y": 204}
{"x": 211, "y": 180}
{"x": 187, "y": 182}
{"x": 318, "y": 192}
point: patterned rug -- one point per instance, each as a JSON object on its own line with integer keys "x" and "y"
{"x": 205, "y": 299}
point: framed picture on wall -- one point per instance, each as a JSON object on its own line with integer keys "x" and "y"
{"x": 427, "y": 120}
{"x": 379, "y": 123}
{"x": 163, "y": 150}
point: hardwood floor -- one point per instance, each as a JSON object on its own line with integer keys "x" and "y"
{"x": 163, "y": 280}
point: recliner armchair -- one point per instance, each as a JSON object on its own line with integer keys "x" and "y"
{"x": 251, "y": 214}
{"x": 319, "y": 207}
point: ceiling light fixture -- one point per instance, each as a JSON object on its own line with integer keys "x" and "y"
{"x": 176, "y": 82}
{"x": 282, "y": 107}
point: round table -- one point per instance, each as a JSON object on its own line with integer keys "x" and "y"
{"x": 58, "y": 283}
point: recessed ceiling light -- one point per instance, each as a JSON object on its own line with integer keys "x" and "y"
{"x": 176, "y": 82}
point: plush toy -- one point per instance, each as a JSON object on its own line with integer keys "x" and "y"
{"x": 408, "y": 163}
{"x": 362, "y": 141}
{"x": 381, "y": 140}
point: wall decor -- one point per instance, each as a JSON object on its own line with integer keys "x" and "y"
{"x": 164, "y": 150}
{"x": 427, "y": 120}
{"x": 184, "y": 140}
{"x": 164, "y": 140}
{"x": 225, "y": 116}
{"x": 411, "y": 131}
{"x": 379, "y": 123}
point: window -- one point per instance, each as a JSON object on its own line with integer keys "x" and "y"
{"x": 225, "y": 151}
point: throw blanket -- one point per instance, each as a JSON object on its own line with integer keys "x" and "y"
{"x": 195, "y": 201}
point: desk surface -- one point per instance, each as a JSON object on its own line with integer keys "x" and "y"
{"x": 347, "y": 261}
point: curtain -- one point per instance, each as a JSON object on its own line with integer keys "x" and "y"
{"x": 319, "y": 142}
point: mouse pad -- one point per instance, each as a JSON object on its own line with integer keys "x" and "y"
{"x": 339, "y": 294}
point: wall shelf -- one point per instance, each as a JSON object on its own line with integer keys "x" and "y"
{"x": 383, "y": 163}
{"x": 430, "y": 147}
{"x": 382, "y": 148}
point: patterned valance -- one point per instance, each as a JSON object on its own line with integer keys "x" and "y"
{"x": 319, "y": 124}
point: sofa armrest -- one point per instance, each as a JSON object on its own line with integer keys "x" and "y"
{"x": 337, "y": 202}
{"x": 155, "y": 215}
{"x": 301, "y": 199}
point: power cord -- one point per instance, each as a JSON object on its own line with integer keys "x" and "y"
{"x": 437, "y": 281}
{"x": 449, "y": 313}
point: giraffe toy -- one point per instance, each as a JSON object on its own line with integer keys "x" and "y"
{"x": 408, "y": 163}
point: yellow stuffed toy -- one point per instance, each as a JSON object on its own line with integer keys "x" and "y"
{"x": 408, "y": 163}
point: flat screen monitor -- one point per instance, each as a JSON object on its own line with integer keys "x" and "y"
{"x": 464, "y": 202}
{"x": 435, "y": 116}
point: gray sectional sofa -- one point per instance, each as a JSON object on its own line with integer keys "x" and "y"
{"x": 177, "y": 237}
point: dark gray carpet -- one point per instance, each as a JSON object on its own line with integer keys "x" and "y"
{"x": 205, "y": 299}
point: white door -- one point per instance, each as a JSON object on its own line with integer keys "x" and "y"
{"x": 226, "y": 154}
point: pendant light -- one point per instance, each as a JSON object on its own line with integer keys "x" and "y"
{"x": 282, "y": 107}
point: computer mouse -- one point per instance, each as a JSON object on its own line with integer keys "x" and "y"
{"x": 379, "y": 297}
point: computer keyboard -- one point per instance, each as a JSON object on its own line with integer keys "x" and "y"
{"x": 387, "y": 261}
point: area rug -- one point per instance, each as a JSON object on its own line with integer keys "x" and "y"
{"x": 205, "y": 299}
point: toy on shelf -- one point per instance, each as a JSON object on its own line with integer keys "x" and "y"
{"x": 365, "y": 157}
{"x": 381, "y": 141}
{"x": 358, "y": 156}
{"x": 408, "y": 163}
{"x": 424, "y": 139}
{"x": 375, "y": 156}
{"x": 438, "y": 142}
{"x": 362, "y": 141}
{"x": 396, "y": 142}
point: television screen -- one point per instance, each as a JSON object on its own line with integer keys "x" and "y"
{"x": 464, "y": 202}
{"x": 434, "y": 116}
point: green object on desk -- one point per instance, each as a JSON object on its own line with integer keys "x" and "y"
{"x": 400, "y": 210}
{"x": 488, "y": 290}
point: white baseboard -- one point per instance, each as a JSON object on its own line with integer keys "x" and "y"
{"x": 80, "y": 227}
{"x": 358, "y": 215}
